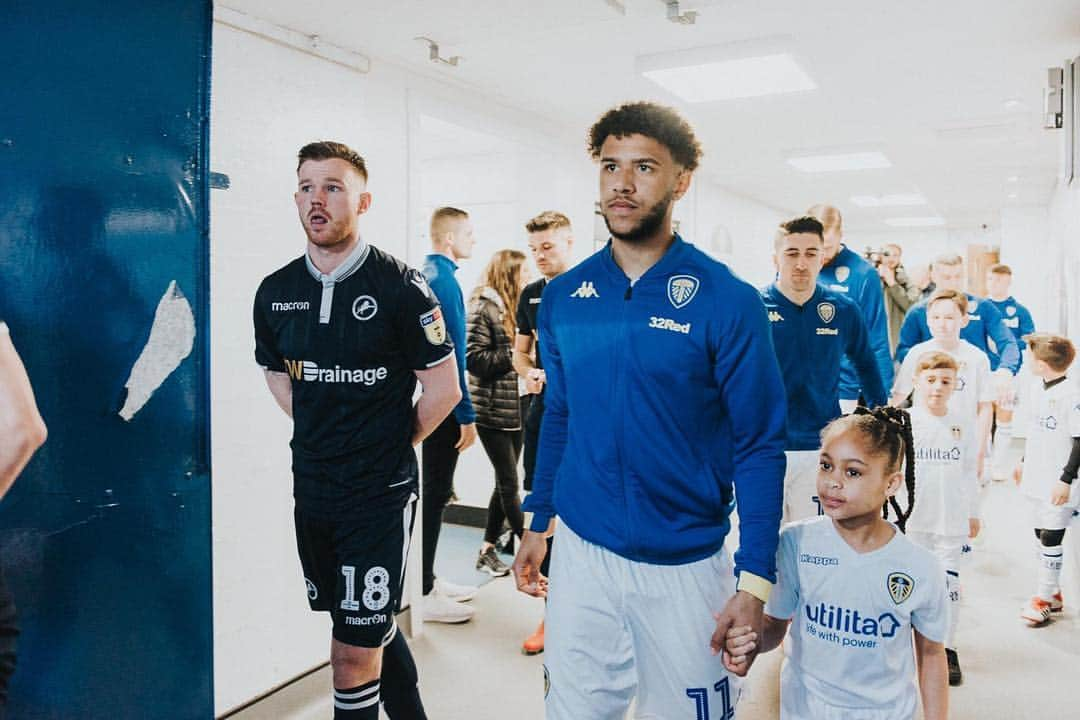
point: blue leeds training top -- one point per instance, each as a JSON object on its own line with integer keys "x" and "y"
{"x": 663, "y": 399}
{"x": 810, "y": 341}
{"x": 1018, "y": 319}
{"x": 857, "y": 279}
{"x": 984, "y": 324}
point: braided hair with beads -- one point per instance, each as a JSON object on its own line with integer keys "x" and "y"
{"x": 887, "y": 431}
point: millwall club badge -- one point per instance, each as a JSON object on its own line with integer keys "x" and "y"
{"x": 826, "y": 311}
{"x": 681, "y": 289}
{"x": 956, "y": 432}
{"x": 900, "y": 586}
{"x": 434, "y": 326}
{"x": 842, "y": 273}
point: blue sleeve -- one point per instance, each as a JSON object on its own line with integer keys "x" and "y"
{"x": 752, "y": 393}
{"x": 453, "y": 308}
{"x": 864, "y": 361}
{"x": 872, "y": 301}
{"x": 1005, "y": 342}
{"x": 553, "y": 429}
{"x": 1027, "y": 324}
{"x": 912, "y": 332}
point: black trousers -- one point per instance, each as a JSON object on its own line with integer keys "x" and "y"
{"x": 534, "y": 414}
{"x": 9, "y": 631}
{"x": 438, "y": 461}
{"x": 503, "y": 448}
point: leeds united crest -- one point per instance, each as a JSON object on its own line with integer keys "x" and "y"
{"x": 900, "y": 586}
{"x": 681, "y": 289}
{"x": 826, "y": 311}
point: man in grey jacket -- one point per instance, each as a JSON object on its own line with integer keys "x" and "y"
{"x": 900, "y": 292}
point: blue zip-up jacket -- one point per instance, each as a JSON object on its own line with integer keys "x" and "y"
{"x": 1018, "y": 319}
{"x": 984, "y": 324}
{"x": 810, "y": 341}
{"x": 854, "y": 277}
{"x": 439, "y": 271}
{"x": 663, "y": 399}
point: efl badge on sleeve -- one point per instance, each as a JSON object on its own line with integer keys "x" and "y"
{"x": 956, "y": 432}
{"x": 900, "y": 586}
{"x": 417, "y": 278}
{"x": 434, "y": 326}
{"x": 842, "y": 273}
{"x": 826, "y": 311}
{"x": 681, "y": 289}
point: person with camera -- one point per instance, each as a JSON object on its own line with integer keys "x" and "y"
{"x": 900, "y": 292}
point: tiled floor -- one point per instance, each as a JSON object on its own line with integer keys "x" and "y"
{"x": 475, "y": 671}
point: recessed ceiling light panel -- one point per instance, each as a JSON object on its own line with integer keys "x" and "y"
{"x": 734, "y": 78}
{"x": 840, "y": 162}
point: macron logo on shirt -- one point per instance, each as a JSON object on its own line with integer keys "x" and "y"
{"x": 585, "y": 291}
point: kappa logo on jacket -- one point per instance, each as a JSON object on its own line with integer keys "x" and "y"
{"x": 585, "y": 291}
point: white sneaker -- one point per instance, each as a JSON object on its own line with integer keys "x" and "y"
{"x": 438, "y": 608}
{"x": 455, "y": 592}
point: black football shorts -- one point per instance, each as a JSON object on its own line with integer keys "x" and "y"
{"x": 354, "y": 568}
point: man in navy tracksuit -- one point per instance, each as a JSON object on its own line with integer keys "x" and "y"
{"x": 985, "y": 324}
{"x": 848, "y": 273}
{"x": 663, "y": 399}
{"x": 813, "y": 328}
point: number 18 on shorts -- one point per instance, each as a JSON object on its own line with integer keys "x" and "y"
{"x": 354, "y": 570}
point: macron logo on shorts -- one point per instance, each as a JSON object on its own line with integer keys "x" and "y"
{"x": 585, "y": 291}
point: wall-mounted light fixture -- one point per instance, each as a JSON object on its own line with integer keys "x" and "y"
{"x": 679, "y": 18}
{"x": 433, "y": 53}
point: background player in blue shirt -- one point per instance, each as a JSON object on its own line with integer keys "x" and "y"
{"x": 813, "y": 328}
{"x": 848, "y": 273}
{"x": 451, "y": 241}
{"x": 985, "y": 329}
{"x": 663, "y": 398}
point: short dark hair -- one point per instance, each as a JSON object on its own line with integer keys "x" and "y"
{"x": 652, "y": 120}
{"x": 327, "y": 150}
{"x": 547, "y": 220}
{"x": 803, "y": 224}
{"x": 1001, "y": 269}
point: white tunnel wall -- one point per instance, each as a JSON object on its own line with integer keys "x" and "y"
{"x": 267, "y": 101}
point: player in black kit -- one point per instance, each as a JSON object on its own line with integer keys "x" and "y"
{"x": 344, "y": 333}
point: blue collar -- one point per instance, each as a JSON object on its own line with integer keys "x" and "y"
{"x": 663, "y": 267}
{"x": 439, "y": 258}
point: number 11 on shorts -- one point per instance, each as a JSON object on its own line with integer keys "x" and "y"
{"x": 700, "y": 696}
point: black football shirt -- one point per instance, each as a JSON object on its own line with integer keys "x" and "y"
{"x": 528, "y": 307}
{"x": 350, "y": 342}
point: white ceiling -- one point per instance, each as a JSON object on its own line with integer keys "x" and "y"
{"x": 926, "y": 82}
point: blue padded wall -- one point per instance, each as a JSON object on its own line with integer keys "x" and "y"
{"x": 105, "y": 539}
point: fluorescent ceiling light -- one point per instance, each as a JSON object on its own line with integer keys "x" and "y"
{"x": 915, "y": 221}
{"x": 839, "y": 162}
{"x": 898, "y": 200}
{"x": 734, "y": 78}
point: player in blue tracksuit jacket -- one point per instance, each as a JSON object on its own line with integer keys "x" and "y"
{"x": 663, "y": 401}
{"x": 848, "y": 273}
{"x": 813, "y": 328}
{"x": 985, "y": 324}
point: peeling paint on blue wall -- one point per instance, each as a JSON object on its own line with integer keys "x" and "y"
{"x": 105, "y": 539}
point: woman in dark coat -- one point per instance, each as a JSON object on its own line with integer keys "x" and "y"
{"x": 493, "y": 386}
